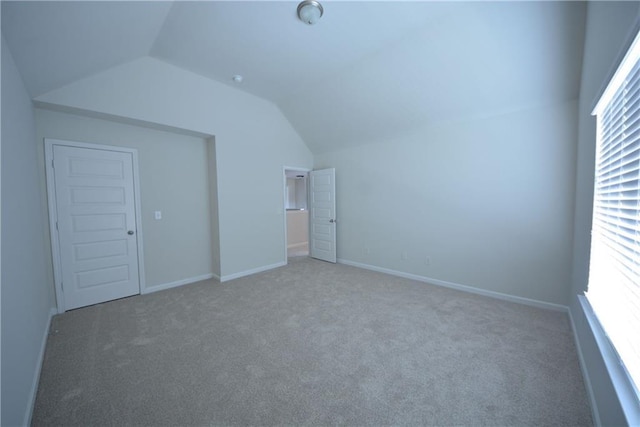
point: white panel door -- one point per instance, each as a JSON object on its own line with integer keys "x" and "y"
{"x": 96, "y": 224}
{"x": 322, "y": 221}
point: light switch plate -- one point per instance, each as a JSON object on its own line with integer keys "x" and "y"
{"x": 158, "y": 214}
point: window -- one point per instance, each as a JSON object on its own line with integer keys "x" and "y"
{"x": 614, "y": 275}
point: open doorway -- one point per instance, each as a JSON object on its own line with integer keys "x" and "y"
{"x": 296, "y": 212}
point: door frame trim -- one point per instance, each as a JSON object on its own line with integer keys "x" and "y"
{"x": 49, "y": 143}
{"x": 284, "y": 202}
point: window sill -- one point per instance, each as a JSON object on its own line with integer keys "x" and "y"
{"x": 621, "y": 382}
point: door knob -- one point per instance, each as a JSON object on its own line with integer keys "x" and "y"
{"x": 130, "y": 232}
{"x": 332, "y": 220}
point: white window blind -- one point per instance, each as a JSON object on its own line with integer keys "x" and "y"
{"x": 614, "y": 276}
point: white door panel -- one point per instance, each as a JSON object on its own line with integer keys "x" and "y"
{"x": 96, "y": 219}
{"x": 322, "y": 198}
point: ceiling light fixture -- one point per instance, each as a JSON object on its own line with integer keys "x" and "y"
{"x": 237, "y": 78}
{"x": 310, "y": 11}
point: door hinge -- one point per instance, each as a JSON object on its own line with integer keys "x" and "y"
{"x": 56, "y": 225}
{"x": 62, "y": 286}
{"x": 53, "y": 165}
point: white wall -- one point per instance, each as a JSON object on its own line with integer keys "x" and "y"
{"x": 490, "y": 201}
{"x": 291, "y": 194}
{"x": 296, "y": 193}
{"x": 27, "y": 289}
{"x": 297, "y": 228}
{"x": 301, "y": 193}
{"x": 251, "y": 135}
{"x": 174, "y": 179}
{"x": 608, "y": 31}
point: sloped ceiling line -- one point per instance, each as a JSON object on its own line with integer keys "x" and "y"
{"x": 366, "y": 70}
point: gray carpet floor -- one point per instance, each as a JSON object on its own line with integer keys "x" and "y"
{"x": 311, "y": 343}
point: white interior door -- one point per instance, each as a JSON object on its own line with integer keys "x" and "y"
{"x": 322, "y": 200}
{"x": 96, "y": 224}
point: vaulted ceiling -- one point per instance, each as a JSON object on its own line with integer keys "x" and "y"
{"x": 366, "y": 71}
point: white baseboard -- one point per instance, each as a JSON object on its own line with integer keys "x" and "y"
{"x": 585, "y": 375}
{"x": 456, "y": 286}
{"x": 177, "y": 283}
{"x": 36, "y": 376}
{"x": 297, "y": 245}
{"x": 252, "y": 271}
